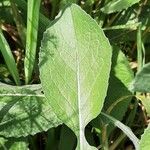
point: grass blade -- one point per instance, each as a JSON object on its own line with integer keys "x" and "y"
{"x": 125, "y": 129}
{"x": 19, "y": 22}
{"x": 31, "y": 39}
{"x": 118, "y": 5}
{"x": 9, "y": 59}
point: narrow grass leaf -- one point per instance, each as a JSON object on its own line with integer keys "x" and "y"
{"x": 31, "y": 37}
{"x": 43, "y": 21}
{"x": 118, "y": 5}
{"x": 9, "y": 59}
{"x": 125, "y": 129}
{"x": 19, "y": 22}
{"x": 129, "y": 26}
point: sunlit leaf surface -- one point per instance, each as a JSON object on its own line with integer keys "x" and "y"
{"x": 75, "y": 62}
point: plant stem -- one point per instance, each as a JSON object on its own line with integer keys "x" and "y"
{"x": 104, "y": 137}
{"x": 117, "y": 142}
{"x": 139, "y": 47}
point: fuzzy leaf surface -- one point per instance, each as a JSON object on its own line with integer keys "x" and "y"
{"x": 75, "y": 60}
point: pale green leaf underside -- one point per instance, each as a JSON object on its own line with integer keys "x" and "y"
{"x": 75, "y": 60}
{"x": 24, "y": 111}
{"x": 118, "y": 5}
{"x": 145, "y": 139}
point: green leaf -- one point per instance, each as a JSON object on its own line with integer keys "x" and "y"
{"x": 31, "y": 39}
{"x": 118, "y": 5}
{"x": 142, "y": 80}
{"x": 75, "y": 60}
{"x": 13, "y": 144}
{"x": 24, "y": 111}
{"x": 67, "y": 139}
{"x": 43, "y": 20}
{"x": 121, "y": 68}
{"x": 145, "y": 142}
{"x": 9, "y": 59}
{"x": 118, "y": 96}
{"x": 117, "y": 101}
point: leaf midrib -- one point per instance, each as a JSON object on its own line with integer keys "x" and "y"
{"x": 81, "y": 133}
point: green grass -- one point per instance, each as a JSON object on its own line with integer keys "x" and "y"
{"x": 33, "y": 10}
{"x": 9, "y": 59}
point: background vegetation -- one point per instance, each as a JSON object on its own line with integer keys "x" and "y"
{"x": 27, "y": 121}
